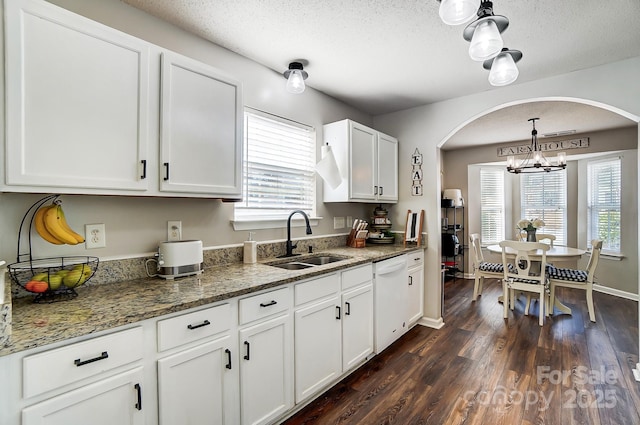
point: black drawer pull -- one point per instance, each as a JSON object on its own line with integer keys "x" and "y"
{"x": 102, "y": 356}
{"x": 228, "y": 366}
{"x": 270, "y": 303}
{"x": 338, "y": 312}
{"x": 410, "y": 280}
{"x": 166, "y": 172}
{"x": 375, "y": 190}
{"x": 347, "y": 311}
{"x": 205, "y": 323}
{"x": 139, "y": 391}
{"x": 381, "y": 190}
{"x": 144, "y": 169}
{"x": 246, "y": 344}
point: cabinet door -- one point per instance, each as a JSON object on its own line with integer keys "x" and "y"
{"x": 199, "y": 386}
{"x": 77, "y": 101}
{"x": 363, "y": 162}
{"x": 416, "y": 293}
{"x": 318, "y": 350}
{"x": 115, "y": 400}
{"x": 266, "y": 366}
{"x": 201, "y": 129}
{"x": 357, "y": 326}
{"x": 387, "y": 168}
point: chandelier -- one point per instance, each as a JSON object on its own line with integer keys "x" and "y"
{"x": 534, "y": 161}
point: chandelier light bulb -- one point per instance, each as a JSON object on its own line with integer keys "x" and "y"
{"x": 456, "y": 12}
{"x": 295, "y": 82}
{"x": 503, "y": 70}
{"x": 486, "y": 41}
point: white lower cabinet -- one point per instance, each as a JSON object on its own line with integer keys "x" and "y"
{"x": 416, "y": 286}
{"x": 266, "y": 359}
{"x": 357, "y": 326}
{"x": 114, "y": 400}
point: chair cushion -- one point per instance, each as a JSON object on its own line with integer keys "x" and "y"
{"x": 571, "y": 275}
{"x": 494, "y": 267}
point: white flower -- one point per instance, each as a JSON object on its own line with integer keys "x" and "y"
{"x": 523, "y": 224}
{"x": 537, "y": 223}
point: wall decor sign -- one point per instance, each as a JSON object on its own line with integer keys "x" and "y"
{"x": 416, "y": 173}
{"x": 545, "y": 147}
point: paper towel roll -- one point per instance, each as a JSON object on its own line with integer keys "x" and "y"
{"x": 327, "y": 168}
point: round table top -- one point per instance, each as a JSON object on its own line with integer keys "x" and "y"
{"x": 555, "y": 252}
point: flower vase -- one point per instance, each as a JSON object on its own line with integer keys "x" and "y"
{"x": 531, "y": 235}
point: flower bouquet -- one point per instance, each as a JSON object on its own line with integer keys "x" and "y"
{"x": 530, "y": 226}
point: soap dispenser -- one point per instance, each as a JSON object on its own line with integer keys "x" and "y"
{"x": 250, "y": 250}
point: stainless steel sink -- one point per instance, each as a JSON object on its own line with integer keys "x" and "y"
{"x": 306, "y": 262}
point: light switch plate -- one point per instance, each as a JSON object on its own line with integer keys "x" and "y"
{"x": 95, "y": 236}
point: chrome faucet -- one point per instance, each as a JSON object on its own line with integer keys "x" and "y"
{"x": 290, "y": 246}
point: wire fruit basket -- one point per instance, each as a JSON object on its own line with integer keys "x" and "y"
{"x": 51, "y": 279}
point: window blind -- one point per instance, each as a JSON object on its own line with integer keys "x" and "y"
{"x": 603, "y": 208}
{"x": 544, "y": 196}
{"x": 279, "y": 174}
{"x": 492, "y": 222}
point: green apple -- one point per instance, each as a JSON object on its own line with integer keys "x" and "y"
{"x": 84, "y": 268}
{"x": 55, "y": 281}
{"x": 42, "y": 277}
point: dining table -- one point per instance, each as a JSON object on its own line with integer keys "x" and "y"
{"x": 555, "y": 253}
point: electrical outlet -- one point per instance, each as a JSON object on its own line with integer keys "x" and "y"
{"x": 95, "y": 236}
{"x": 174, "y": 230}
{"x": 338, "y": 222}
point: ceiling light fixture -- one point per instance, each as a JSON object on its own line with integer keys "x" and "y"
{"x": 295, "y": 76}
{"x": 484, "y": 33}
{"x": 503, "y": 69}
{"x": 456, "y": 12}
{"x": 534, "y": 161}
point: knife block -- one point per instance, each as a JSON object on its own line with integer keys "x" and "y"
{"x": 354, "y": 242}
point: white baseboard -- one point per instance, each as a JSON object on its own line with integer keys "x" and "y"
{"x": 615, "y": 292}
{"x": 431, "y": 323}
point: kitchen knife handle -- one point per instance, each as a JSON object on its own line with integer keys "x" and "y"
{"x": 247, "y": 356}
{"x": 205, "y": 323}
{"x": 144, "y": 168}
{"x": 166, "y": 171}
{"x": 102, "y": 356}
{"x": 228, "y": 366}
{"x": 139, "y": 391}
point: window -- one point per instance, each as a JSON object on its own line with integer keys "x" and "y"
{"x": 491, "y": 205}
{"x": 603, "y": 203}
{"x": 544, "y": 196}
{"x": 279, "y": 176}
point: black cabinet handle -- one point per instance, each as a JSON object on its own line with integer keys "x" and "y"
{"x": 144, "y": 169}
{"x": 375, "y": 190}
{"x": 102, "y": 356}
{"x": 246, "y": 344}
{"x": 338, "y": 312}
{"x": 205, "y": 323}
{"x": 270, "y": 303}
{"x": 228, "y": 366}
{"x": 139, "y": 391}
{"x": 166, "y": 171}
{"x": 347, "y": 311}
{"x": 410, "y": 280}
{"x": 381, "y": 188}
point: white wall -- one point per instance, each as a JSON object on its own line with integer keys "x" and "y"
{"x": 613, "y": 86}
{"x": 135, "y": 225}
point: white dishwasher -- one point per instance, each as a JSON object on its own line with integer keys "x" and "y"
{"x": 391, "y": 295}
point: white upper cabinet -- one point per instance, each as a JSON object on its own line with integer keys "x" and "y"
{"x": 201, "y": 129}
{"x": 367, "y": 160}
{"x": 77, "y": 101}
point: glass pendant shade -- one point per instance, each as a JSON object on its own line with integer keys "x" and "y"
{"x": 456, "y": 12}
{"x": 503, "y": 70}
{"x": 486, "y": 41}
{"x": 295, "y": 82}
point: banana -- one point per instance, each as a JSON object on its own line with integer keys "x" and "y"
{"x": 38, "y": 220}
{"x": 65, "y": 225}
{"x": 53, "y": 222}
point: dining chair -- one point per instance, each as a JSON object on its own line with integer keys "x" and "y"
{"x": 576, "y": 278}
{"x": 540, "y": 237}
{"x": 525, "y": 276}
{"x": 482, "y": 268}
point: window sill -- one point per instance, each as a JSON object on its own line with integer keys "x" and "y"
{"x": 272, "y": 223}
{"x": 610, "y": 256}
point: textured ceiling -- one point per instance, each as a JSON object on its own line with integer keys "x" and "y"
{"x": 383, "y": 56}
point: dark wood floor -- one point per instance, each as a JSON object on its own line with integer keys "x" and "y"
{"x": 482, "y": 369}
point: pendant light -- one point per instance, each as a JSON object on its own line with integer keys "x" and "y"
{"x": 503, "y": 69}
{"x": 535, "y": 161}
{"x": 484, "y": 33}
{"x": 295, "y": 76}
{"x": 456, "y": 12}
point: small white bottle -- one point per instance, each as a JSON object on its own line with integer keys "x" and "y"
{"x": 250, "y": 250}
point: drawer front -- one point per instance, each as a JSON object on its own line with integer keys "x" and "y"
{"x": 55, "y": 368}
{"x": 191, "y": 327}
{"x": 316, "y": 288}
{"x": 415, "y": 259}
{"x": 357, "y": 276}
{"x": 264, "y": 305}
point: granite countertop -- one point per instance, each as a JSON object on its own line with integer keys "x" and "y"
{"x": 106, "y": 306}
